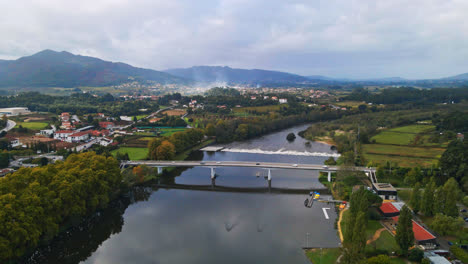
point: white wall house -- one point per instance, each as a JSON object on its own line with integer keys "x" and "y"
{"x": 78, "y": 136}
{"x": 62, "y": 134}
{"x": 283, "y": 101}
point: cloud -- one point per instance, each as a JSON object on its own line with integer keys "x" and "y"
{"x": 343, "y": 38}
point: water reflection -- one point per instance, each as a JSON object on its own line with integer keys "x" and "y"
{"x": 186, "y": 217}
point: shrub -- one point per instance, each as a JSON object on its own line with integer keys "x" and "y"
{"x": 459, "y": 253}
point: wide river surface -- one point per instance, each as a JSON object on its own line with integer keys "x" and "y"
{"x": 184, "y": 225}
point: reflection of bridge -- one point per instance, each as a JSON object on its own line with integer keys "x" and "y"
{"x": 261, "y": 165}
{"x": 217, "y": 188}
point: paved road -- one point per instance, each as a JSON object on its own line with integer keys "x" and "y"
{"x": 10, "y": 125}
{"x": 265, "y": 165}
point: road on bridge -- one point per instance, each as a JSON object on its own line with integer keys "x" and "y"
{"x": 264, "y": 165}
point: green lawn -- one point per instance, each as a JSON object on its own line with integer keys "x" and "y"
{"x": 32, "y": 125}
{"x": 323, "y": 256}
{"x": 140, "y": 116}
{"x": 386, "y": 242}
{"x": 414, "y": 129}
{"x": 372, "y": 227}
{"x": 396, "y": 138}
{"x": 146, "y": 138}
{"x": 167, "y": 132}
{"x": 133, "y": 153}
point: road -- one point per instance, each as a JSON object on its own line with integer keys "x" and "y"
{"x": 264, "y": 165}
{"x": 10, "y": 125}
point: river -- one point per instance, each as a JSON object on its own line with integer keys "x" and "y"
{"x": 166, "y": 225}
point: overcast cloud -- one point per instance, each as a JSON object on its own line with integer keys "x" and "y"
{"x": 338, "y": 38}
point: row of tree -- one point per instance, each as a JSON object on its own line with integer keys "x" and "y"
{"x": 36, "y": 202}
{"x": 165, "y": 148}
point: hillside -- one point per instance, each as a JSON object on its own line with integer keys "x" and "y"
{"x": 207, "y": 74}
{"x": 62, "y": 69}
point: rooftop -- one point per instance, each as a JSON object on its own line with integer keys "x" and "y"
{"x": 388, "y": 208}
{"x": 420, "y": 233}
{"x": 384, "y": 187}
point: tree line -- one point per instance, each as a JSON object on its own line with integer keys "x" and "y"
{"x": 166, "y": 148}
{"x": 36, "y": 203}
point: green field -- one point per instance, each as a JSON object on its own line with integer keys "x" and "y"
{"x": 403, "y": 151}
{"x": 133, "y": 153}
{"x": 396, "y": 138}
{"x": 167, "y": 132}
{"x": 386, "y": 241}
{"x": 32, "y": 125}
{"x": 140, "y": 116}
{"x": 406, "y": 145}
{"x": 325, "y": 255}
{"x": 402, "y": 161}
{"x": 414, "y": 129}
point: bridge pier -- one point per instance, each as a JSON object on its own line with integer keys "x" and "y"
{"x": 213, "y": 173}
{"x": 269, "y": 175}
{"x": 329, "y": 176}
{"x": 160, "y": 170}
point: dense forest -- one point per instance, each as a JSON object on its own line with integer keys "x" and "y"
{"x": 36, "y": 203}
{"x": 410, "y": 95}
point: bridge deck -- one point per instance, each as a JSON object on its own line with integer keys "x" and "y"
{"x": 264, "y": 165}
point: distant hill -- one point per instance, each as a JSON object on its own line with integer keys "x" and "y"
{"x": 461, "y": 77}
{"x": 62, "y": 69}
{"x": 209, "y": 74}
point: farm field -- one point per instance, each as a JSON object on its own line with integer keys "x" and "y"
{"x": 406, "y": 145}
{"x": 414, "y": 129}
{"x": 174, "y": 112}
{"x": 32, "y": 125}
{"x": 396, "y": 138}
{"x": 133, "y": 153}
{"x": 404, "y": 151}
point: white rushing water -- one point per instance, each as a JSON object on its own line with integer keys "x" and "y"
{"x": 282, "y": 151}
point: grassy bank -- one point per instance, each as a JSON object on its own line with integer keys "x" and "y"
{"x": 133, "y": 153}
{"x": 324, "y": 255}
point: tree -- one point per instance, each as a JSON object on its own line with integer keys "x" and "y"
{"x": 166, "y": 151}
{"x": 404, "y": 232}
{"x": 428, "y": 199}
{"x": 139, "y": 173}
{"x": 447, "y": 225}
{"x": 415, "y": 201}
{"x": 451, "y": 197}
{"x": 152, "y": 148}
{"x": 210, "y": 130}
{"x": 291, "y": 137}
{"x": 330, "y": 161}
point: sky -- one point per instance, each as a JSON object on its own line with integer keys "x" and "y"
{"x": 338, "y": 38}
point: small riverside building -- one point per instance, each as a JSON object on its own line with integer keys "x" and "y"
{"x": 385, "y": 190}
{"x": 421, "y": 235}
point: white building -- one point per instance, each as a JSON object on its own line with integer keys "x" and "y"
{"x": 78, "y": 136}
{"x": 14, "y": 111}
{"x": 283, "y": 101}
{"x": 125, "y": 118}
{"x": 63, "y": 134}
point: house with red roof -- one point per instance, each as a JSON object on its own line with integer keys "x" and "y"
{"x": 421, "y": 235}
{"x": 107, "y": 125}
{"x": 389, "y": 210}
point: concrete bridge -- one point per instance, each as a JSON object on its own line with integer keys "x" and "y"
{"x": 269, "y": 166}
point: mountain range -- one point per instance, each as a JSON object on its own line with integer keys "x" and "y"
{"x": 63, "y": 69}
{"x": 210, "y": 74}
